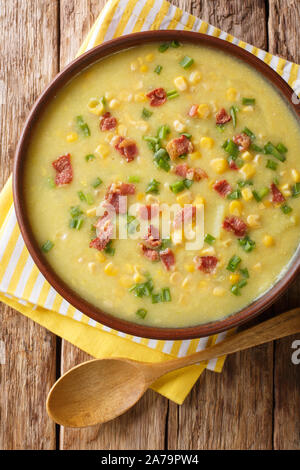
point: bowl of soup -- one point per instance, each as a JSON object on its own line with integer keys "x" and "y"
{"x": 157, "y": 182}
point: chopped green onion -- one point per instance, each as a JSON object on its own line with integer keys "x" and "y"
{"x": 286, "y": 209}
{"x": 220, "y": 127}
{"x": 75, "y": 211}
{"x": 256, "y": 148}
{"x": 177, "y": 187}
{"x": 84, "y": 128}
{"x": 175, "y": 43}
{"x": 156, "y": 298}
{"x": 186, "y": 62}
{"x": 133, "y": 179}
{"x": 165, "y": 243}
{"x": 232, "y": 149}
{"x": 233, "y": 263}
{"x": 81, "y": 196}
{"x": 161, "y": 159}
{"x": 163, "y": 47}
{"x": 166, "y": 294}
{"x": 51, "y": 182}
{"x": 158, "y": 69}
{"x": 249, "y": 133}
{"x": 296, "y": 190}
{"x": 233, "y": 115}
{"x": 97, "y": 182}
{"x": 153, "y": 187}
{"x": 270, "y": 149}
{"x": 76, "y": 223}
{"x": 89, "y": 199}
{"x": 152, "y": 142}
{"x": 243, "y": 183}
{"x": 47, "y": 246}
{"x": 248, "y": 101}
{"x": 209, "y": 239}
{"x": 163, "y": 131}
{"x": 132, "y": 224}
{"x": 188, "y": 136}
{"x": 141, "y": 312}
{"x": 89, "y": 157}
{"x": 276, "y": 180}
{"x": 281, "y": 148}
{"x": 235, "y": 290}
{"x": 142, "y": 289}
{"x": 234, "y": 195}
{"x": 244, "y": 272}
{"x": 103, "y": 100}
{"x": 188, "y": 183}
{"x": 146, "y": 114}
{"x": 247, "y": 244}
{"x": 272, "y": 165}
{"x": 172, "y": 94}
{"x": 259, "y": 195}
{"x": 109, "y": 250}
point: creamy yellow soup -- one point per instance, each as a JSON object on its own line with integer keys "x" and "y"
{"x": 240, "y": 136}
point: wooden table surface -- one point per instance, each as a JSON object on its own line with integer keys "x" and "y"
{"x": 254, "y": 403}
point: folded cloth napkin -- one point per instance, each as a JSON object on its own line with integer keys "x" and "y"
{"x": 23, "y": 287}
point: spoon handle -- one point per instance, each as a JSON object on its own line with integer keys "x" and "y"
{"x": 287, "y": 323}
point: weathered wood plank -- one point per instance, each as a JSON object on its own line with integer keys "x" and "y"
{"x": 284, "y": 18}
{"x": 232, "y": 410}
{"x": 144, "y": 426}
{"x": 28, "y": 61}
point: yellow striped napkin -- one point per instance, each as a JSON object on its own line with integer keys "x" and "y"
{"x": 23, "y": 287}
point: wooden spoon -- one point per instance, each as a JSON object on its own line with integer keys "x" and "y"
{"x": 102, "y": 389}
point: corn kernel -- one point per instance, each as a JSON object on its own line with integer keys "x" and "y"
{"x": 179, "y": 126}
{"x": 247, "y": 109}
{"x": 248, "y": 170}
{"x": 209, "y": 251}
{"x": 247, "y": 156}
{"x": 268, "y": 240}
{"x": 247, "y": 194}
{"x": 140, "y": 97}
{"x": 285, "y": 189}
{"x": 234, "y": 278}
{"x": 207, "y": 142}
{"x": 231, "y": 94}
{"x": 92, "y": 267}
{"x": 125, "y": 95}
{"x": 195, "y": 155}
{"x": 236, "y": 208}
{"x": 180, "y": 83}
{"x": 110, "y": 269}
{"x": 137, "y": 277}
{"x": 295, "y": 175}
{"x": 125, "y": 281}
{"x": 199, "y": 200}
{"x": 122, "y": 130}
{"x": 186, "y": 282}
{"x": 190, "y": 268}
{"x": 195, "y": 77}
{"x": 114, "y": 103}
{"x": 267, "y": 203}
{"x": 144, "y": 68}
{"x": 253, "y": 220}
{"x": 108, "y": 95}
{"x": 184, "y": 198}
{"x": 203, "y": 111}
{"x": 140, "y": 196}
{"x": 219, "y": 165}
{"x": 100, "y": 257}
{"x": 102, "y": 150}
{"x": 72, "y": 137}
{"x": 91, "y": 212}
{"x": 149, "y": 57}
{"x": 219, "y": 291}
{"x": 227, "y": 242}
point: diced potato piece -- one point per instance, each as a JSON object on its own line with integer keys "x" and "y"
{"x": 209, "y": 251}
{"x": 247, "y": 194}
{"x": 219, "y": 291}
{"x": 202, "y": 284}
{"x": 92, "y": 267}
{"x": 140, "y": 97}
{"x": 207, "y": 142}
{"x": 295, "y": 175}
{"x": 236, "y": 208}
{"x": 179, "y": 126}
{"x": 247, "y": 109}
{"x": 203, "y": 110}
{"x": 133, "y": 66}
{"x": 72, "y": 137}
{"x": 122, "y": 130}
{"x": 125, "y": 95}
{"x": 231, "y": 94}
{"x": 257, "y": 267}
{"x": 248, "y": 170}
{"x": 180, "y": 83}
{"x": 91, "y": 212}
{"x": 195, "y": 155}
{"x": 219, "y": 165}
{"x": 199, "y": 200}
{"x": 195, "y": 77}
{"x": 268, "y": 240}
{"x": 253, "y": 220}
{"x": 184, "y": 198}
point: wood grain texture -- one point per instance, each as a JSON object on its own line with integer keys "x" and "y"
{"x": 28, "y": 61}
{"x": 284, "y": 20}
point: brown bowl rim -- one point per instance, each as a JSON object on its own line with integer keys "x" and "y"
{"x": 77, "y": 65}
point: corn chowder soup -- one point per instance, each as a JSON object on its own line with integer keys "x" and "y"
{"x": 176, "y": 124}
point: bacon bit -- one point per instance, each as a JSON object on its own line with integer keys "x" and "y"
{"x": 108, "y": 122}
{"x": 222, "y": 117}
{"x": 222, "y": 187}
{"x": 277, "y": 196}
{"x": 157, "y": 97}
{"x": 64, "y": 171}
{"x": 236, "y": 225}
{"x": 152, "y": 239}
{"x": 193, "y": 110}
{"x": 152, "y": 255}
{"x": 127, "y": 148}
{"x": 207, "y": 264}
{"x": 115, "y": 191}
{"x": 185, "y": 171}
{"x": 242, "y": 140}
{"x": 185, "y": 215}
{"x": 179, "y": 146}
{"x": 233, "y": 165}
{"x": 168, "y": 259}
{"x": 104, "y": 228}
{"x": 145, "y": 211}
